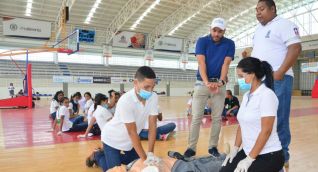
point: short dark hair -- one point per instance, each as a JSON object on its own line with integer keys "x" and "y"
{"x": 229, "y": 92}
{"x": 145, "y": 72}
{"x": 64, "y": 98}
{"x": 89, "y": 94}
{"x": 110, "y": 92}
{"x": 269, "y": 3}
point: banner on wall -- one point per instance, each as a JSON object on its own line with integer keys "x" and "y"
{"x": 129, "y": 39}
{"x": 83, "y": 79}
{"x": 169, "y": 43}
{"x": 62, "y": 79}
{"x": 101, "y": 80}
{"x": 26, "y": 28}
{"x": 120, "y": 80}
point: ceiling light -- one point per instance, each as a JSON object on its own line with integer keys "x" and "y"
{"x": 186, "y": 20}
{"x": 144, "y": 14}
{"x": 28, "y": 8}
{"x": 92, "y": 11}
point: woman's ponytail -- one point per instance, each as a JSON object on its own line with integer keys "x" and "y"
{"x": 268, "y": 73}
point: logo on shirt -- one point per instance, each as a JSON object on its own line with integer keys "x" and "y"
{"x": 296, "y": 31}
{"x": 268, "y": 34}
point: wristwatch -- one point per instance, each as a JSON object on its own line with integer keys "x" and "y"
{"x": 222, "y": 81}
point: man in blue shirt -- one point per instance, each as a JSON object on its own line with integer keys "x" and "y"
{"x": 214, "y": 53}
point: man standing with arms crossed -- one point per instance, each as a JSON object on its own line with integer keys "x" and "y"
{"x": 277, "y": 41}
{"x": 214, "y": 53}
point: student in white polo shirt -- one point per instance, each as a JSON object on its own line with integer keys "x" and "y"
{"x": 88, "y": 102}
{"x": 100, "y": 116}
{"x": 277, "y": 41}
{"x": 132, "y": 111}
{"x": 257, "y": 117}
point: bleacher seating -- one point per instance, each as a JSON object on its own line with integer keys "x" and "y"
{"x": 48, "y": 69}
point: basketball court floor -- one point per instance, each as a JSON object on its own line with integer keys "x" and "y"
{"x": 27, "y": 145}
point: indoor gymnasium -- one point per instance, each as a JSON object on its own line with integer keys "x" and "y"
{"x": 159, "y": 85}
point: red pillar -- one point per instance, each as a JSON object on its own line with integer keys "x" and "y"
{"x": 29, "y": 78}
{"x": 314, "y": 92}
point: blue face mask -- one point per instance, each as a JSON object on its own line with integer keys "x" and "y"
{"x": 144, "y": 94}
{"x": 243, "y": 85}
{"x": 105, "y": 106}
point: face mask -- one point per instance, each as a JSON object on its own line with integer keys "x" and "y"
{"x": 144, "y": 94}
{"x": 243, "y": 85}
{"x": 150, "y": 169}
{"x": 105, "y": 106}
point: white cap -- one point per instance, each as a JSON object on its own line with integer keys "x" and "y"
{"x": 218, "y": 22}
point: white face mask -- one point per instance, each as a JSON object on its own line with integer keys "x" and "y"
{"x": 150, "y": 168}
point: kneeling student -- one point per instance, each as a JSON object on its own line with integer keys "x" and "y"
{"x": 133, "y": 109}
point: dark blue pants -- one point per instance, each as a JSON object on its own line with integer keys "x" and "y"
{"x": 114, "y": 158}
{"x": 78, "y": 124}
{"x": 165, "y": 129}
{"x": 235, "y": 111}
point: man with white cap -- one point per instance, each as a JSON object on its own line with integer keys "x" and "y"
{"x": 214, "y": 53}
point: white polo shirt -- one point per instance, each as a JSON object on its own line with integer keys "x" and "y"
{"x": 102, "y": 116}
{"x": 90, "y": 113}
{"x": 261, "y": 103}
{"x": 53, "y": 106}
{"x": 67, "y": 124}
{"x": 129, "y": 109}
{"x": 270, "y": 42}
{"x": 88, "y": 104}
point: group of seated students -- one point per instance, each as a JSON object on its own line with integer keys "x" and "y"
{"x": 66, "y": 112}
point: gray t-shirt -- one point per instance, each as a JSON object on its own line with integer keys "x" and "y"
{"x": 202, "y": 164}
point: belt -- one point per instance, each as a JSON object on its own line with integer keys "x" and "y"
{"x": 210, "y": 79}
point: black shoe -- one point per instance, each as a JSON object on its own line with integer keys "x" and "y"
{"x": 214, "y": 152}
{"x": 90, "y": 161}
{"x": 176, "y": 155}
{"x": 189, "y": 153}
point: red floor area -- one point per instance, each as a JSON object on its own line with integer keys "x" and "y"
{"x": 30, "y": 127}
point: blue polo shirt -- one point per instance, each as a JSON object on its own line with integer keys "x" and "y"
{"x": 214, "y": 53}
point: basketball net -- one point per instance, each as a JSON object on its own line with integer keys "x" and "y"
{"x": 107, "y": 53}
{"x": 149, "y": 56}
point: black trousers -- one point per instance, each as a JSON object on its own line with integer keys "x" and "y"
{"x": 270, "y": 162}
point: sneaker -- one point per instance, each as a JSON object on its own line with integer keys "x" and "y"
{"x": 189, "y": 153}
{"x": 163, "y": 137}
{"x": 214, "y": 152}
{"x": 90, "y": 161}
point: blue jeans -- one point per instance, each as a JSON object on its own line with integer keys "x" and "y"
{"x": 235, "y": 111}
{"x": 115, "y": 158}
{"x": 78, "y": 124}
{"x": 283, "y": 90}
{"x": 165, "y": 129}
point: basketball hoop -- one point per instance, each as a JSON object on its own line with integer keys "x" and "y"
{"x": 184, "y": 62}
{"x": 65, "y": 50}
{"x": 149, "y": 58}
